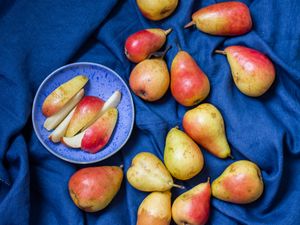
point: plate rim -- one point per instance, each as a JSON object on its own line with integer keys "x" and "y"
{"x": 38, "y": 92}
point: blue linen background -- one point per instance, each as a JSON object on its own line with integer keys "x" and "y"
{"x": 39, "y": 36}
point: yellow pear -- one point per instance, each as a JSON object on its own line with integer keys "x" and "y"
{"x": 155, "y": 209}
{"x": 182, "y": 156}
{"x": 148, "y": 173}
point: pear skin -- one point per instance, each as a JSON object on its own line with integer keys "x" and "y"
{"x": 148, "y": 173}
{"x": 193, "y": 206}
{"x": 241, "y": 183}
{"x": 141, "y": 44}
{"x": 155, "y": 209}
{"x": 57, "y": 99}
{"x": 157, "y": 9}
{"x": 252, "y": 72}
{"x": 85, "y": 111}
{"x": 150, "y": 79}
{"x": 182, "y": 155}
{"x": 189, "y": 84}
{"x": 205, "y": 125}
{"x": 93, "y": 188}
{"x": 226, "y": 18}
{"x": 98, "y": 134}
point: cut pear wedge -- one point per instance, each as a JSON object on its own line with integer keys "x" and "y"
{"x": 60, "y": 131}
{"x": 75, "y": 141}
{"x": 112, "y": 102}
{"x": 53, "y": 121}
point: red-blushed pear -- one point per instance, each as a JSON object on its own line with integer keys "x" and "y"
{"x": 241, "y": 183}
{"x": 93, "y": 188}
{"x": 252, "y": 72}
{"x": 56, "y": 100}
{"x": 150, "y": 78}
{"x": 193, "y": 206}
{"x": 95, "y": 137}
{"x": 99, "y": 133}
{"x": 155, "y": 209}
{"x": 205, "y": 125}
{"x": 189, "y": 84}
{"x": 85, "y": 112}
{"x": 226, "y": 18}
{"x": 156, "y": 9}
{"x": 53, "y": 121}
{"x": 141, "y": 44}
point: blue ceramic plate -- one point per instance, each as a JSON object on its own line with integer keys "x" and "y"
{"x": 102, "y": 83}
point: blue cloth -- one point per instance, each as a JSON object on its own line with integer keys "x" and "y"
{"x": 40, "y": 36}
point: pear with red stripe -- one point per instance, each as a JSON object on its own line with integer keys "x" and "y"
{"x": 193, "y": 206}
{"x": 189, "y": 84}
{"x": 240, "y": 183}
{"x": 86, "y": 110}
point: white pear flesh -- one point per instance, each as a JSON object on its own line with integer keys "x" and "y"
{"x": 53, "y": 121}
{"x": 60, "y": 130}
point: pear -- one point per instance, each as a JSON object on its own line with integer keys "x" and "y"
{"x": 148, "y": 173}
{"x": 182, "y": 156}
{"x": 141, "y": 44}
{"x": 93, "y": 188}
{"x": 241, "y": 183}
{"x": 193, "y": 206}
{"x": 155, "y": 209}
{"x": 157, "y": 9}
{"x": 252, "y": 72}
{"x": 86, "y": 110}
{"x": 150, "y": 78}
{"x": 226, "y": 18}
{"x": 205, "y": 125}
{"x": 58, "y": 98}
{"x": 189, "y": 84}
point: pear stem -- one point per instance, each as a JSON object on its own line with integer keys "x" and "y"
{"x": 220, "y": 52}
{"x": 168, "y": 31}
{"x": 178, "y": 186}
{"x": 230, "y": 156}
{"x": 189, "y": 24}
{"x": 178, "y": 45}
{"x": 160, "y": 55}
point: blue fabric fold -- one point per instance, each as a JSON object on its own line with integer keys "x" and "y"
{"x": 37, "y": 37}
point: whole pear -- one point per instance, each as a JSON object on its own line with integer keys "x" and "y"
{"x": 189, "y": 84}
{"x": 241, "y": 182}
{"x": 182, "y": 156}
{"x": 205, "y": 125}
{"x": 93, "y": 188}
{"x": 193, "y": 206}
{"x": 155, "y": 209}
{"x": 226, "y": 18}
{"x": 252, "y": 72}
{"x": 150, "y": 79}
{"x": 157, "y": 9}
{"x": 148, "y": 173}
{"x": 141, "y": 44}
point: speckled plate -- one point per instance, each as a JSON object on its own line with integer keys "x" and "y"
{"x": 102, "y": 83}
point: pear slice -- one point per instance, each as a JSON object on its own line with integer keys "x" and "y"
{"x": 53, "y": 121}
{"x": 60, "y": 131}
{"x": 112, "y": 102}
{"x": 56, "y": 100}
{"x": 97, "y": 135}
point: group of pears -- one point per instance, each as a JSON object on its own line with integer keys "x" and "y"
{"x": 93, "y": 188}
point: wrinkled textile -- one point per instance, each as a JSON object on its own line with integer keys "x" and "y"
{"x": 38, "y": 37}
